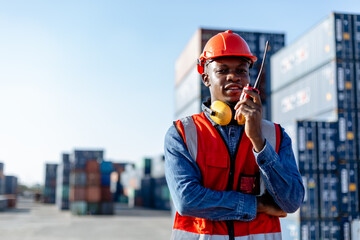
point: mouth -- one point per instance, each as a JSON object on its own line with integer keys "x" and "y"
{"x": 233, "y": 87}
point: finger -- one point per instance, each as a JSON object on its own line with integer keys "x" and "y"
{"x": 253, "y": 95}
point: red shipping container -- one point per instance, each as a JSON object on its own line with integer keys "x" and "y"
{"x": 106, "y": 195}
{"x": 92, "y": 166}
{"x": 93, "y": 194}
{"x": 93, "y": 179}
{"x": 11, "y": 200}
{"x": 77, "y": 194}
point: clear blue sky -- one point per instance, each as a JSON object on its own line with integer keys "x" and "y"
{"x": 100, "y": 74}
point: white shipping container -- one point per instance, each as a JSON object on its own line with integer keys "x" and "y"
{"x": 325, "y": 90}
{"x": 307, "y": 98}
{"x": 330, "y": 39}
{"x": 187, "y": 90}
{"x": 355, "y": 229}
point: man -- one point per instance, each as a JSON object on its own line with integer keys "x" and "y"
{"x": 230, "y": 181}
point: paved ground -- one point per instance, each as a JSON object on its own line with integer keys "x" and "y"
{"x": 34, "y": 221}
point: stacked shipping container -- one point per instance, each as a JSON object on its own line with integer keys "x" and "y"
{"x": 63, "y": 183}
{"x": 2, "y": 179}
{"x": 49, "y": 194}
{"x": 90, "y": 184}
{"x": 332, "y": 195}
{"x": 316, "y": 81}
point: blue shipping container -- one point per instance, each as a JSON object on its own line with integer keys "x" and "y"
{"x": 309, "y": 230}
{"x": 328, "y": 195}
{"x": 105, "y": 179}
{"x": 330, "y": 229}
{"x": 106, "y": 167}
{"x": 307, "y": 145}
{"x": 310, "y": 206}
{"x": 347, "y": 135}
{"x": 327, "y": 144}
{"x": 346, "y": 85}
{"x": 11, "y": 185}
{"x": 349, "y": 191}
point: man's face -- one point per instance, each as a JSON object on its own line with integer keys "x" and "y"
{"x": 226, "y": 78}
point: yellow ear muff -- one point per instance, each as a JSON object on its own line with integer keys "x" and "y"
{"x": 222, "y": 113}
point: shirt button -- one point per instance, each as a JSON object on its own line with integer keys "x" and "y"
{"x": 262, "y": 162}
{"x": 246, "y": 216}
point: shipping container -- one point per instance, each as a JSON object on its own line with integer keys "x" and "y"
{"x": 330, "y": 230}
{"x": 2, "y": 184}
{"x": 106, "y": 167}
{"x": 93, "y": 194}
{"x": 93, "y": 208}
{"x": 346, "y": 226}
{"x": 161, "y": 194}
{"x": 307, "y": 146}
{"x": 290, "y": 228}
{"x": 355, "y": 229}
{"x": 356, "y": 31}
{"x": 327, "y": 88}
{"x": 3, "y": 203}
{"x": 62, "y": 196}
{"x": 78, "y": 208}
{"x": 82, "y": 156}
{"x": 77, "y": 194}
{"x": 92, "y": 166}
{"x": 105, "y": 179}
{"x": 107, "y": 208}
{"x": 309, "y": 230}
{"x": 106, "y": 195}
{"x": 158, "y": 166}
{"x": 328, "y": 195}
{"x": 327, "y": 137}
{"x": 51, "y": 170}
{"x": 78, "y": 178}
{"x": 11, "y": 184}
{"x": 63, "y": 173}
{"x": 329, "y": 40}
{"x": 347, "y": 147}
{"x": 93, "y": 179}
{"x": 147, "y": 191}
{"x": 188, "y": 90}
{"x": 349, "y": 191}
{"x": 357, "y": 82}
{"x": 310, "y": 207}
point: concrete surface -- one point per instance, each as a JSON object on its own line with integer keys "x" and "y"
{"x": 36, "y": 221}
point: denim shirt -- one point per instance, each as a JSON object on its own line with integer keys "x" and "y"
{"x": 279, "y": 172}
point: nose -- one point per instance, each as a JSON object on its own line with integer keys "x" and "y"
{"x": 231, "y": 76}
{"x": 234, "y": 77}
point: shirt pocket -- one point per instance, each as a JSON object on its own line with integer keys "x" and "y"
{"x": 216, "y": 174}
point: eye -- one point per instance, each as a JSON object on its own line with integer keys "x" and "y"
{"x": 222, "y": 70}
{"x": 241, "y": 71}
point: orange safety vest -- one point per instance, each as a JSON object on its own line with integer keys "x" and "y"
{"x": 205, "y": 144}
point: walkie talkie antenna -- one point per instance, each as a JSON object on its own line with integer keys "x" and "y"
{"x": 262, "y": 65}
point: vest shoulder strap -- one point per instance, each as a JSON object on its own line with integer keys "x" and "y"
{"x": 271, "y": 133}
{"x": 189, "y": 134}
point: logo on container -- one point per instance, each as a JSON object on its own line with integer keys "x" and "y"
{"x": 294, "y": 59}
{"x": 297, "y": 99}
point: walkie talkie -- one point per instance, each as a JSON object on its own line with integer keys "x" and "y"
{"x": 256, "y": 85}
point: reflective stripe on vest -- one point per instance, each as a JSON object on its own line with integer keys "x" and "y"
{"x": 268, "y": 130}
{"x": 179, "y": 234}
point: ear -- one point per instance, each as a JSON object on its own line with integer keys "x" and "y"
{"x": 205, "y": 79}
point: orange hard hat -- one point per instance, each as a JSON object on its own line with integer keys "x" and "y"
{"x": 224, "y": 44}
